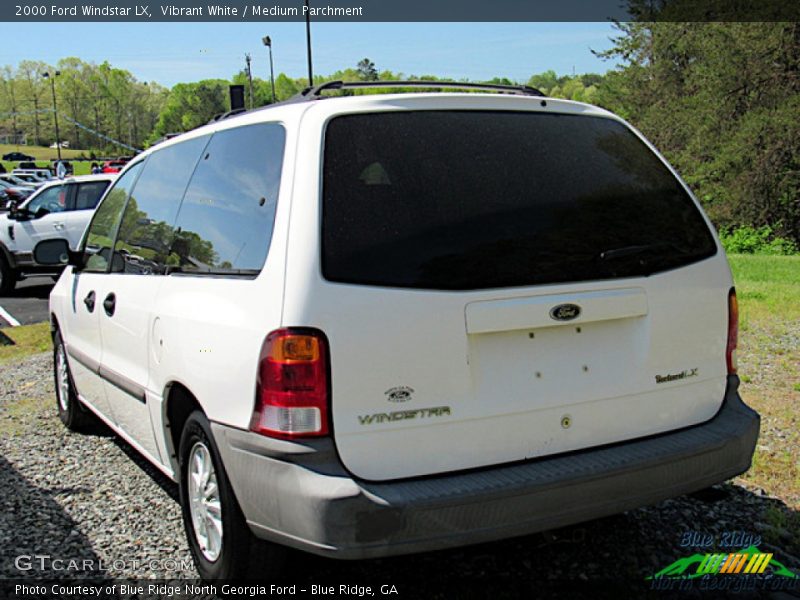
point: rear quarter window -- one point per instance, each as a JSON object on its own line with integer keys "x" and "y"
{"x": 478, "y": 199}
{"x": 225, "y": 221}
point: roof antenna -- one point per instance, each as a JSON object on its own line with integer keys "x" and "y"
{"x": 308, "y": 44}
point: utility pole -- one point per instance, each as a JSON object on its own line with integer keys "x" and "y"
{"x": 308, "y": 45}
{"x": 268, "y": 43}
{"x": 249, "y": 77}
{"x": 55, "y": 107}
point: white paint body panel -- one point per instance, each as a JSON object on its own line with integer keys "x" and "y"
{"x": 82, "y": 330}
{"x": 508, "y": 392}
{"x": 126, "y": 341}
{"x": 470, "y": 351}
{"x": 534, "y": 312}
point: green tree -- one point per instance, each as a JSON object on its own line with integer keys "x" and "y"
{"x": 34, "y": 91}
{"x": 366, "y": 70}
{"x": 721, "y": 100}
{"x": 285, "y": 87}
{"x": 190, "y": 105}
{"x": 544, "y": 81}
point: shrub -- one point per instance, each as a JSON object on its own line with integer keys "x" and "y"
{"x": 755, "y": 240}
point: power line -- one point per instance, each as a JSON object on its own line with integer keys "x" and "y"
{"x": 77, "y": 124}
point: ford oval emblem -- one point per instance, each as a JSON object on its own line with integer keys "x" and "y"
{"x": 565, "y": 312}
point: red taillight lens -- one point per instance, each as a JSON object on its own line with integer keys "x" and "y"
{"x": 733, "y": 332}
{"x": 292, "y": 388}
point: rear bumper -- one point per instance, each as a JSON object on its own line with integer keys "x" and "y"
{"x": 299, "y": 494}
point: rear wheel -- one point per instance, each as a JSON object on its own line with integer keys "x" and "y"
{"x": 8, "y": 278}
{"x": 70, "y": 410}
{"x": 221, "y": 543}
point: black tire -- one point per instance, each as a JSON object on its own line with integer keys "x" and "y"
{"x": 240, "y": 555}
{"x": 8, "y": 278}
{"x": 70, "y": 410}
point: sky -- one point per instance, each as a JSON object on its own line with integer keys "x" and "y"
{"x": 169, "y": 53}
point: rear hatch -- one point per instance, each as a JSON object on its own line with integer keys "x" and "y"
{"x": 503, "y": 285}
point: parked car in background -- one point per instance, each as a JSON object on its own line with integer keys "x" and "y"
{"x": 5, "y": 202}
{"x": 14, "y": 179}
{"x": 11, "y": 194}
{"x": 27, "y": 178}
{"x": 29, "y": 164}
{"x": 38, "y": 174}
{"x": 59, "y": 209}
{"x": 382, "y": 324}
{"x": 17, "y": 156}
{"x": 113, "y": 166}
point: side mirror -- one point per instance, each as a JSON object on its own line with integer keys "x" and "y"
{"x": 15, "y": 214}
{"x": 55, "y": 252}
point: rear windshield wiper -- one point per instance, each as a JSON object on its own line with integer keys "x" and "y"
{"x": 639, "y": 249}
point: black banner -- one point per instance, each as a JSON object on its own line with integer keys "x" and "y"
{"x": 309, "y": 588}
{"x": 400, "y": 11}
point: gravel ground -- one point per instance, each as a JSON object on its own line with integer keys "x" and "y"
{"x": 89, "y": 496}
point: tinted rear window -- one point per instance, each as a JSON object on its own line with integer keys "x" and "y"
{"x": 474, "y": 199}
{"x": 89, "y": 194}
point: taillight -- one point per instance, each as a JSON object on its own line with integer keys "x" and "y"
{"x": 292, "y": 387}
{"x": 733, "y": 332}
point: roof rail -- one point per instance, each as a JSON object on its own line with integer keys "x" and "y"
{"x": 227, "y": 115}
{"x": 313, "y": 93}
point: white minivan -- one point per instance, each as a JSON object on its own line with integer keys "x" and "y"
{"x": 379, "y": 324}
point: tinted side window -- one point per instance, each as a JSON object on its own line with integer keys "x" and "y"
{"x": 103, "y": 228}
{"x": 89, "y": 194}
{"x": 226, "y": 218}
{"x": 146, "y": 232}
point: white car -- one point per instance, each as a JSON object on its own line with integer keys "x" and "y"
{"x": 40, "y": 175}
{"x": 58, "y": 209}
{"x": 18, "y": 181}
{"x": 380, "y": 324}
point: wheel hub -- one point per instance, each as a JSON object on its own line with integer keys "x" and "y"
{"x": 62, "y": 377}
{"x": 204, "y": 502}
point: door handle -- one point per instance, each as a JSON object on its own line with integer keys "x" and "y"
{"x": 109, "y": 304}
{"x": 89, "y": 301}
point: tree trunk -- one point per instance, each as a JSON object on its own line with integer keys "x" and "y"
{"x": 37, "y": 138}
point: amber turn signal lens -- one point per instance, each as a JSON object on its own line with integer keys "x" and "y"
{"x": 295, "y": 348}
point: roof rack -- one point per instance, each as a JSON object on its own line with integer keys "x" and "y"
{"x": 227, "y": 115}
{"x": 313, "y": 93}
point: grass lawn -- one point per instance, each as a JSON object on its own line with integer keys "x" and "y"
{"x": 28, "y": 339}
{"x": 768, "y": 289}
{"x": 44, "y": 156}
{"x": 42, "y": 153}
